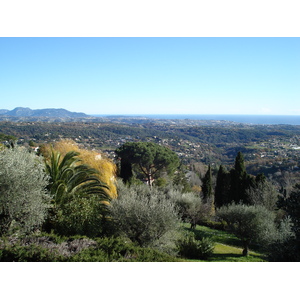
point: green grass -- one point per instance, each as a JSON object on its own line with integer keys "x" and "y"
{"x": 228, "y": 248}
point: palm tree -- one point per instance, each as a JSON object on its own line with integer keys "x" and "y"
{"x": 69, "y": 177}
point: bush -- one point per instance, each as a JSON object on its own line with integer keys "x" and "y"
{"x": 23, "y": 198}
{"x": 29, "y": 253}
{"x": 80, "y": 216}
{"x": 144, "y": 215}
{"x": 46, "y": 247}
{"x": 189, "y": 247}
{"x": 52, "y": 248}
{"x": 121, "y": 250}
{"x": 213, "y": 224}
{"x": 284, "y": 247}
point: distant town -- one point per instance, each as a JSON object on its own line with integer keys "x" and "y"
{"x": 270, "y": 149}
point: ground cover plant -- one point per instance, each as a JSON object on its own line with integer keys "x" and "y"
{"x": 53, "y": 248}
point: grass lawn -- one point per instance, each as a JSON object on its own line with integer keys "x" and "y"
{"x": 228, "y": 248}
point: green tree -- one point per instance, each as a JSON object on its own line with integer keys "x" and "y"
{"x": 181, "y": 181}
{"x": 262, "y": 192}
{"x": 145, "y": 216}
{"x": 207, "y": 185}
{"x": 207, "y": 189}
{"x": 292, "y": 206}
{"x": 240, "y": 181}
{"x": 7, "y": 138}
{"x": 252, "y": 224}
{"x": 149, "y": 158}
{"x": 222, "y": 187}
{"x": 24, "y": 201}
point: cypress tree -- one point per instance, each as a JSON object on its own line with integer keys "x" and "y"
{"x": 239, "y": 165}
{"x": 239, "y": 180}
{"x": 207, "y": 188}
{"x": 222, "y": 187}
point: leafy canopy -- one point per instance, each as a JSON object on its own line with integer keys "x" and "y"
{"x": 150, "y": 158}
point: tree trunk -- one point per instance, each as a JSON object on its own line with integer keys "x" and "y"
{"x": 246, "y": 249}
{"x": 149, "y": 179}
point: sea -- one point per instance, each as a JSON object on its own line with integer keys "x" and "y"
{"x": 247, "y": 119}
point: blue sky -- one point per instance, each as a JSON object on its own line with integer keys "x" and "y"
{"x": 152, "y": 75}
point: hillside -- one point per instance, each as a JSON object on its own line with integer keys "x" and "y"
{"x": 47, "y": 112}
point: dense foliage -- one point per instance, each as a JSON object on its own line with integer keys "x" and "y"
{"x": 252, "y": 224}
{"x": 24, "y": 199}
{"x": 149, "y": 158}
{"x": 189, "y": 247}
{"x": 103, "y": 168}
{"x": 145, "y": 216}
{"x": 51, "y": 248}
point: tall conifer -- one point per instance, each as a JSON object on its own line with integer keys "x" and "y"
{"x": 238, "y": 180}
{"x": 222, "y": 187}
{"x": 207, "y": 189}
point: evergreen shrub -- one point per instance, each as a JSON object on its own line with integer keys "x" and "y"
{"x": 121, "y": 252}
{"x": 80, "y": 216}
{"x": 53, "y": 248}
{"x": 29, "y": 253}
{"x": 189, "y": 247}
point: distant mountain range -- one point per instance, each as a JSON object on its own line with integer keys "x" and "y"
{"x": 47, "y": 112}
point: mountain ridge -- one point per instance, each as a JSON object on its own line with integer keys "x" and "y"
{"x": 45, "y": 112}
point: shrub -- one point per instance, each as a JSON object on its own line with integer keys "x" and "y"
{"x": 24, "y": 200}
{"x": 213, "y": 224}
{"x": 143, "y": 214}
{"x": 52, "y": 248}
{"x": 189, "y": 247}
{"x": 80, "y": 216}
{"x": 120, "y": 249}
{"x": 292, "y": 206}
{"x": 29, "y": 253}
{"x": 46, "y": 248}
{"x": 136, "y": 254}
{"x": 284, "y": 247}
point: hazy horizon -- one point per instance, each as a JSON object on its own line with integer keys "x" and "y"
{"x": 238, "y": 118}
{"x": 158, "y": 114}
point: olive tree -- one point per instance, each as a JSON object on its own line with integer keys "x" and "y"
{"x": 191, "y": 206}
{"x": 263, "y": 193}
{"x": 144, "y": 215}
{"x": 24, "y": 199}
{"x": 288, "y": 249}
{"x": 252, "y": 224}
